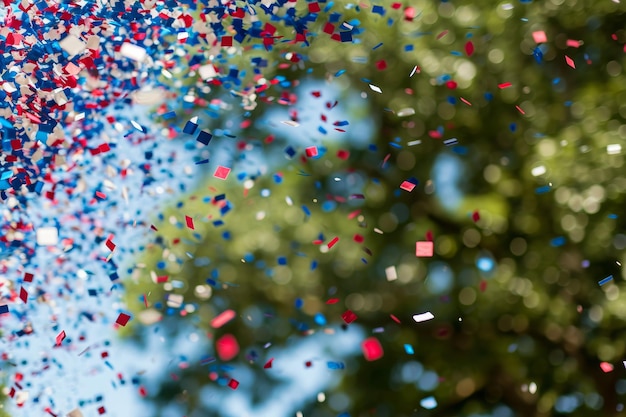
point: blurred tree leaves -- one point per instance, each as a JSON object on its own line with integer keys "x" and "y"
{"x": 540, "y": 161}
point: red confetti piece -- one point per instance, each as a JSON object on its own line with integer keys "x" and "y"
{"x": 122, "y": 319}
{"x": 268, "y": 364}
{"x": 348, "y": 316}
{"x": 343, "y": 154}
{"x": 333, "y": 242}
{"x": 358, "y": 238}
{"x": 23, "y": 295}
{"x": 28, "y": 277}
{"x": 381, "y": 65}
{"x": 475, "y": 216}
{"x": 483, "y": 285}
{"x": 570, "y": 62}
{"x": 311, "y": 151}
{"x": 223, "y": 318}
{"x": 332, "y": 301}
{"x": 233, "y": 384}
{"x": 227, "y": 347}
{"x": 221, "y": 172}
{"x": 424, "y": 249}
{"x": 109, "y": 244}
{"x": 394, "y": 318}
{"x": 101, "y": 410}
{"x": 60, "y": 337}
{"x": 372, "y": 349}
{"x": 189, "y": 222}
{"x": 469, "y": 48}
{"x": 504, "y": 85}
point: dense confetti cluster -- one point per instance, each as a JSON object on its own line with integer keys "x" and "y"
{"x": 203, "y": 163}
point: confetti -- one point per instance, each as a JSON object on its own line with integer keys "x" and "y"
{"x": 423, "y": 317}
{"x": 570, "y": 62}
{"x": 227, "y": 347}
{"x": 348, "y": 316}
{"x": 223, "y": 318}
{"x": 122, "y": 319}
{"x": 60, "y": 338}
{"x": 606, "y": 280}
{"x": 391, "y": 273}
{"x": 372, "y": 349}
{"x": 221, "y": 172}
{"x": 424, "y": 249}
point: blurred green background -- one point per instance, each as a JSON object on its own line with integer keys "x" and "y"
{"x": 523, "y": 206}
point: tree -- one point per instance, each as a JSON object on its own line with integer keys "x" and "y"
{"x": 521, "y": 237}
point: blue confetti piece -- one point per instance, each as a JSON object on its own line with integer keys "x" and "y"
{"x": 612, "y": 216}
{"x": 429, "y": 403}
{"x": 190, "y": 128}
{"x": 558, "y": 241}
{"x": 335, "y": 365}
{"x": 313, "y": 265}
{"x": 377, "y": 46}
{"x": 204, "y": 137}
{"x": 4, "y": 309}
{"x": 605, "y": 280}
{"x": 306, "y": 210}
{"x": 320, "y": 319}
{"x": 409, "y": 349}
{"x": 282, "y": 260}
{"x": 299, "y": 303}
{"x": 543, "y": 190}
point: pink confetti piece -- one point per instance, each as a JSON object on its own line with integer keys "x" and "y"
{"x": 442, "y": 34}
{"x": 573, "y": 43}
{"x": 227, "y": 347}
{"x": 424, "y": 249}
{"x": 540, "y": 36}
{"x": 221, "y": 172}
{"x": 60, "y": 337}
{"x": 394, "y": 318}
{"x": 348, "y": 316}
{"x": 465, "y": 101}
{"x": 223, "y": 318}
{"x": 333, "y": 242}
{"x": 122, "y": 319}
{"x": 372, "y": 349}
{"x": 606, "y": 367}
{"x": 519, "y": 109}
{"x": 407, "y": 186}
{"x": 570, "y": 62}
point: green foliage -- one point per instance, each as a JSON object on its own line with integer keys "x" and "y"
{"x": 539, "y": 319}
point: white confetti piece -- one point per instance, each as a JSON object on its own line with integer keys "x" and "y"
{"x": 391, "y": 273}
{"x": 47, "y": 236}
{"x": 134, "y": 52}
{"x": 423, "y": 317}
{"x": 375, "y": 88}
